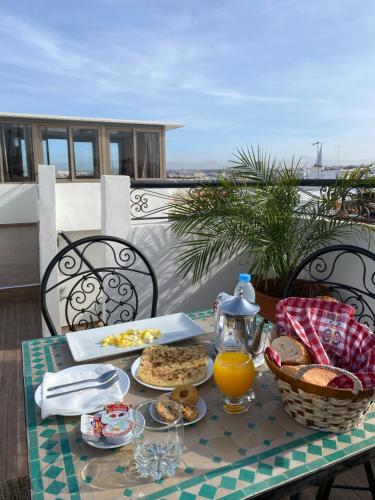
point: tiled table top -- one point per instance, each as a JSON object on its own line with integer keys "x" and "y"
{"x": 226, "y": 456}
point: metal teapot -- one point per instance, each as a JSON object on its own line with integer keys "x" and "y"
{"x": 235, "y": 323}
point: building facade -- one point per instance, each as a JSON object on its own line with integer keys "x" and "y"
{"x": 81, "y": 149}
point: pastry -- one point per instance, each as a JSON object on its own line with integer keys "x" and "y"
{"x": 319, "y": 376}
{"x": 166, "y": 410}
{"x": 189, "y": 413}
{"x": 291, "y": 351}
{"x": 185, "y": 394}
{"x": 166, "y": 366}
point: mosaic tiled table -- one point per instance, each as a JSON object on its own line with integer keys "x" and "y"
{"x": 226, "y": 456}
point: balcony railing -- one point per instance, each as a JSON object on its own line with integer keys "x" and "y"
{"x": 149, "y": 199}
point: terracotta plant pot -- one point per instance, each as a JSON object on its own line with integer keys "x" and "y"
{"x": 269, "y": 292}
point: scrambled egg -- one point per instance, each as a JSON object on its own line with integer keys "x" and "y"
{"x": 132, "y": 338}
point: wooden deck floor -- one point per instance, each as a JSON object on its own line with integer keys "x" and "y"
{"x": 20, "y": 320}
{"x": 19, "y": 255}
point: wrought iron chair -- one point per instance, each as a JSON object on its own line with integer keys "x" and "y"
{"x": 325, "y": 269}
{"x": 99, "y": 279}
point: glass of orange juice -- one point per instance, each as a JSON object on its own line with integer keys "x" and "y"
{"x": 234, "y": 375}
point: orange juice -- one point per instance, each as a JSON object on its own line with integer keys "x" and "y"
{"x": 234, "y": 373}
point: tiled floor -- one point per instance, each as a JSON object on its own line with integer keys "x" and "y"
{"x": 19, "y": 256}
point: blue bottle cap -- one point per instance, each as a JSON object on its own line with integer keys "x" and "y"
{"x": 245, "y": 277}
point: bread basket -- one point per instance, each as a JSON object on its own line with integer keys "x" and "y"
{"x": 324, "y": 408}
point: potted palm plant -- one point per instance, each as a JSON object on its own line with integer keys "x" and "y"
{"x": 260, "y": 212}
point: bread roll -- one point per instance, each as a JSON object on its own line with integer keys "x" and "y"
{"x": 291, "y": 351}
{"x": 319, "y": 376}
{"x": 291, "y": 369}
{"x": 327, "y": 298}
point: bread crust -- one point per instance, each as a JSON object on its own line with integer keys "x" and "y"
{"x": 327, "y": 298}
{"x": 319, "y": 376}
{"x": 291, "y": 369}
{"x": 291, "y": 351}
{"x": 316, "y": 376}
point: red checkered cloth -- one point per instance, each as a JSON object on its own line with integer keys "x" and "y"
{"x": 331, "y": 335}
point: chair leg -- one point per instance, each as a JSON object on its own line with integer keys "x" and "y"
{"x": 370, "y": 478}
{"x": 324, "y": 489}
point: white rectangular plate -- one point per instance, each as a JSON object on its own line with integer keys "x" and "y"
{"x": 86, "y": 345}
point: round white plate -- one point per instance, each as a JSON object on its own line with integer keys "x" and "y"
{"x": 135, "y": 366}
{"x": 201, "y": 407}
{"x": 124, "y": 384}
{"x": 103, "y": 444}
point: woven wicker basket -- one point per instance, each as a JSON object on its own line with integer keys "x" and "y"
{"x": 324, "y": 408}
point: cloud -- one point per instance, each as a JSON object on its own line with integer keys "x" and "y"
{"x": 158, "y": 65}
{"x": 237, "y": 72}
{"x": 240, "y": 96}
{"x": 37, "y": 48}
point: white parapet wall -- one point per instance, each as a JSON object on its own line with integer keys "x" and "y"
{"x": 176, "y": 293}
{"x": 92, "y": 208}
{"x": 115, "y": 206}
{"x": 18, "y": 203}
{"x": 78, "y": 206}
{"x": 48, "y": 237}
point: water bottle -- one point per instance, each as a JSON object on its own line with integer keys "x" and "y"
{"x": 248, "y": 291}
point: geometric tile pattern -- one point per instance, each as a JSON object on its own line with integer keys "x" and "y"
{"x": 227, "y": 457}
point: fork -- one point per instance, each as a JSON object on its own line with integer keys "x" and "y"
{"x": 101, "y": 386}
{"x": 104, "y": 377}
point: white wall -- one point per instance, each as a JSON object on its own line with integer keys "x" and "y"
{"x": 78, "y": 206}
{"x": 18, "y": 203}
{"x": 176, "y": 294}
{"x": 47, "y": 236}
{"x": 155, "y": 240}
{"x": 78, "y": 212}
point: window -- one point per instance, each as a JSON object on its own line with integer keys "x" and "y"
{"x": 148, "y": 155}
{"x": 122, "y": 155}
{"x": 56, "y": 150}
{"x": 16, "y": 152}
{"x": 121, "y": 152}
{"x": 58, "y": 142}
{"x": 86, "y": 156}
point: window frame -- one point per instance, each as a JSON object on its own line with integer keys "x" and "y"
{"x": 98, "y": 142}
{"x": 151, "y": 129}
{"x": 134, "y": 130}
{"x": 107, "y": 161}
{"x": 36, "y": 146}
{"x": 30, "y": 151}
{"x": 72, "y": 165}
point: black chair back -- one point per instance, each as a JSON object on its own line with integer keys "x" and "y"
{"x": 345, "y": 272}
{"x": 100, "y": 280}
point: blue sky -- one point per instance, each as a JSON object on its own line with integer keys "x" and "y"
{"x": 279, "y": 73}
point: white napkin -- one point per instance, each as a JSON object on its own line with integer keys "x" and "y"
{"x": 79, "y": 402}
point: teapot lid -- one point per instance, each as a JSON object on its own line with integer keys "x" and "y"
{"x": 238, "y": 306}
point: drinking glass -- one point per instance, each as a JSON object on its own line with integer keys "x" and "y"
{"x": 158, "y": 446}
{"x": 234, "y": 375}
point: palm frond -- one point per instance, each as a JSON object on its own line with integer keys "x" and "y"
{"x": 268, "y": 221}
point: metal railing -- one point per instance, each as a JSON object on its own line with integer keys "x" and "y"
{"x": 149, "y": 199}
{"x": 149, "y": 202}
